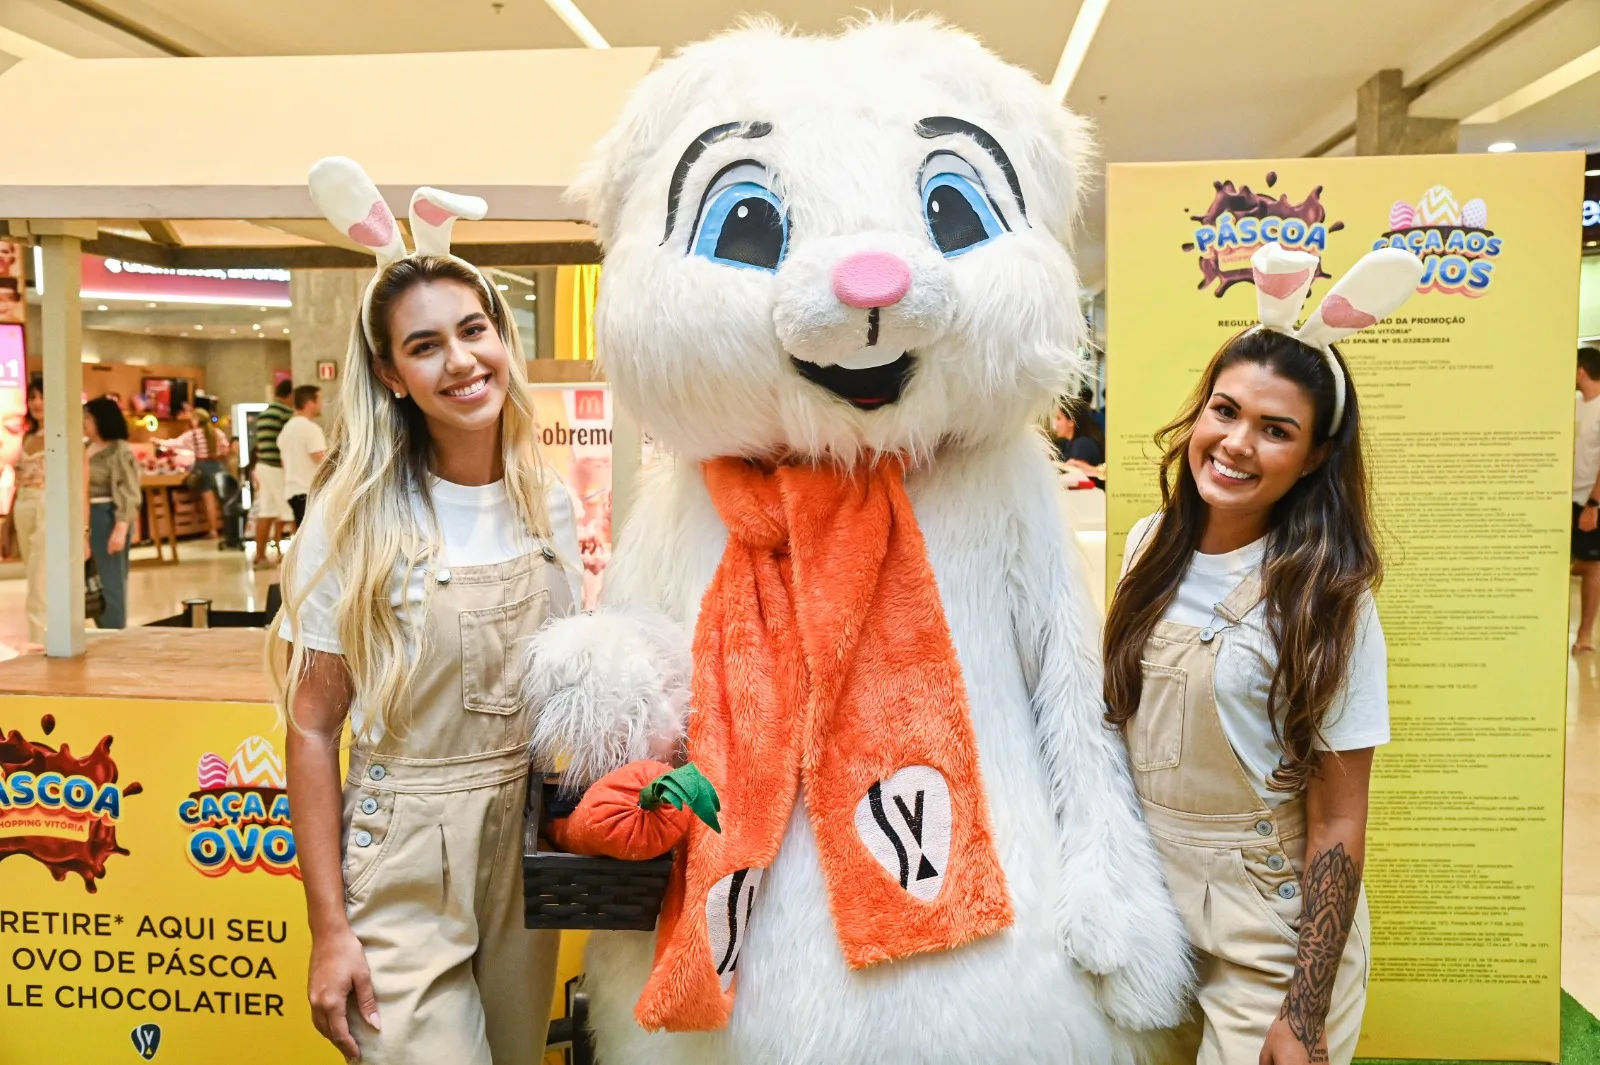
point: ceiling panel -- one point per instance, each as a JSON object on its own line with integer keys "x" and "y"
{"x": 341, "y": 27}
{"x": 1029, "y": 34}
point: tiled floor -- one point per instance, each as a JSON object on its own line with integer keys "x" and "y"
{"x": 225, "y": 578}
{"x": 158, "y": 591}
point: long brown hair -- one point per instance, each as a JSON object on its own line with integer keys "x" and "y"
{"x": 1321, "y": 558}
{"x": 379, "y": 456}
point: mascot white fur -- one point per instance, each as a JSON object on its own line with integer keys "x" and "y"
{"x": 850, "y": 253}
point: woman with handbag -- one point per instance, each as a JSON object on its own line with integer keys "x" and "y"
{"x": 209, "y": 446}
{"x": 27, "y": 515}
{"x": 114, "y": 498}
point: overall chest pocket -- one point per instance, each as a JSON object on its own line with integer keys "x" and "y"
{"x": 491, "y": 640}
{"x": 1155, "y": 735}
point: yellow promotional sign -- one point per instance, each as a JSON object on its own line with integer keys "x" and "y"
{"x": 150, "y": 901}
{"x": 1467, "y": 413}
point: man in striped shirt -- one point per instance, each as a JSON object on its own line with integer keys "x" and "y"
{"x": 272, "y": 504}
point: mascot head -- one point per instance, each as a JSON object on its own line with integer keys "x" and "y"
{"x": 833, "y": 247}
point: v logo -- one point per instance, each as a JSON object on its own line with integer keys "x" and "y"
{"x": 904, "y": 822}
{"x": 913, "y": 821}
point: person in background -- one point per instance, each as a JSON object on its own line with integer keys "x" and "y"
{"x": 1586, "y": 497}
{"x": 27, "y": 515}
{"x": 271, "y": 501}
{"x": 1079, "y": 442}
{"x": 209, "y": 446}
{"x": 114, "y": 497}
{"x": 302, "y": 447}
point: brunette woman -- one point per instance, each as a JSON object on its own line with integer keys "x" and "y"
{"x": 1245, "y": 664}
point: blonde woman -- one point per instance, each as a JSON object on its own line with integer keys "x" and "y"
{"x": 432, "y": 546}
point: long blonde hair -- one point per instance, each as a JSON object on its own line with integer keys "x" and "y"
{"x": 377, "y": 460}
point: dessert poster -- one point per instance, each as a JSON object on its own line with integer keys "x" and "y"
{"x": 1464, "y": 845}
{"x": 575, "y": 440}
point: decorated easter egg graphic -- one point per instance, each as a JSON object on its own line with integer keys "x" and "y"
{"x": 1475, "y": 214}
{"x": 213, "y": 772}
{"x": 1438, "y": 208}
{"x": 1402, "y": 215}
{"x": 255, "y": 765}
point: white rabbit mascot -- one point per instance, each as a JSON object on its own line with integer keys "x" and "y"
{"x": 838, "y": 292}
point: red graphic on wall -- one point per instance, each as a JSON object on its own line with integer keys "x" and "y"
{"x": 58, "y": 809}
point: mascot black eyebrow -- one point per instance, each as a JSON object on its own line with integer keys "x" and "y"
{"x": 838, "y": 292}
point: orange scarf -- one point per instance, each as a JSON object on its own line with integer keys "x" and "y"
{"x": 822, "y": 660}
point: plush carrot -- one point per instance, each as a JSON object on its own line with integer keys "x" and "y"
{"x": 637, "y": 812}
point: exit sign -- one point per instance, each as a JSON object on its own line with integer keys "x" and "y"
{"x": 327, "y": 370}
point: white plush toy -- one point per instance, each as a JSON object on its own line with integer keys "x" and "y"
{"x": 838, "y": 290}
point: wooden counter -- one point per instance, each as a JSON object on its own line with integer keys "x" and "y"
{"x": 190, "y": 665}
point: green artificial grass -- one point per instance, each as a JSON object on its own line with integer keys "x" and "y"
{"x": 1580, "y": 1040}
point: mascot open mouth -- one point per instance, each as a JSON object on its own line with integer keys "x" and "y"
{"x": 864, "y": 389}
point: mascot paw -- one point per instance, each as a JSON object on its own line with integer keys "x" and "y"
{"x": 606, "y": 689}
{"x": 1150, "y": 993}
{"x": 1098, "y": 928}
{"x": 1136, "y": 947}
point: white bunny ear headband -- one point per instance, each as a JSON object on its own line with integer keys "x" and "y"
{"x": 347, "y": 197}
{"x": 1373, "y": 289}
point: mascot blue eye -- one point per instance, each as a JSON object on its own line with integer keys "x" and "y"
{"x": 957, "y": 209}
{"x": 742, "y": 223}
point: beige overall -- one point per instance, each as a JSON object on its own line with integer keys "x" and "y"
{"x": 433, "y": 829}
{"x": 1233, "y": 864}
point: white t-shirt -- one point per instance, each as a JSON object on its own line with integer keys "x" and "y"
{"x": 300, "y": 439}
{"x": 1586, "y": 449}
{"x": 1359, "y": 716}
{"x": 477, "y": 527}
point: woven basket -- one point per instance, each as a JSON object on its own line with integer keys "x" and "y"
{"x": 562, "y": 890}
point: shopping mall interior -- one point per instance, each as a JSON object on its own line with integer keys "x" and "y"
{"x": 159, "y": 249}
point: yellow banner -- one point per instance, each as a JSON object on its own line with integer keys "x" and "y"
{"x": 1467, "y": 402}
{"x": 158, "y": 912}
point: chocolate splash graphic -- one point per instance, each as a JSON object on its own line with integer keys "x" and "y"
{"x": 85, "y": 857}
{"x": 1244, "y": 202}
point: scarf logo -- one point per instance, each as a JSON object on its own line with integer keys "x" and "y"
{"x": 905, "y": 823}
{"x": 728, "y": 919}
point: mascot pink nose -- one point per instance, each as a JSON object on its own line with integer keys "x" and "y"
{"x": 871, "y": 279}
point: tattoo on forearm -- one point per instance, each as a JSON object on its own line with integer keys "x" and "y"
{"x": 1332, "y": 885}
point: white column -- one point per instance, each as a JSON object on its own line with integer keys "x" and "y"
{"x": 64, "y": 517}
{"x": 625, "y": 444}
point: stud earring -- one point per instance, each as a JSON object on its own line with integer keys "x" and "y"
{"x": 399, "y": 395}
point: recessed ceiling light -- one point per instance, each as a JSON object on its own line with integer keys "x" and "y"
{"x": 256, "y": 326}
{"x": 1590, "y": 243}
{"x": 1591, "y": 173}
{"x": 102, "y": 307}
{"x": 1502, "y": 146}
{"x": 530, "y": 297}
{"x": 233, "y": 330}
{"x": 263, "y": 310}
{"x": 149, "y": 305}
{"x": 286, "y": 331}
{"x": 503, "y": 288}
{"x": 186, "y": 333}
{"x": 199, "y": 327}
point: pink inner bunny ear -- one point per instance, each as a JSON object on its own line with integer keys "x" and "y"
{"x": 377, "y": 230}
{"x": 431, "y": 212}
{"x": 1338, "y": 312}
{"x": 1281, "y": 286}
